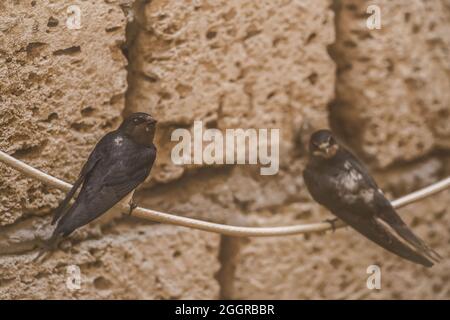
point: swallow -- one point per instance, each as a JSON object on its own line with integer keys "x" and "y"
{"x": 336, "y": 179}
{"x": 120, "y": 162}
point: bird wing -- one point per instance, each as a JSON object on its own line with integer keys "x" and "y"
{"x": 387, "y": 213}
{"x": 376, "y": 232}
{"x": 90, "y": 164}
{"x": 89, "y": 205}
{"x": 113, "y": 178}
{"x": 381, "y": 208}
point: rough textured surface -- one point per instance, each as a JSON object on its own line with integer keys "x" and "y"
{"x": 333, "y": 265}
{"x": 142, "y": 262}
{"x": 60, "y": 91}
{"x": 232, "y": 64}
{"x": 393, "y": 83}
{"x": 247, "y": 64}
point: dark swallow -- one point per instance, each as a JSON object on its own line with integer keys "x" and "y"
{"x": 119, "y": 163}
{"x": 339, "y": 181}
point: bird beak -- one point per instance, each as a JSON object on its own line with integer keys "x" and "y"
{"x": 326, "y": 150}
{"x": 324, "y": 146}
{"x": 152, "y": 121}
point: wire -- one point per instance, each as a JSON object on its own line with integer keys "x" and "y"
{"x": 216, "y": 227}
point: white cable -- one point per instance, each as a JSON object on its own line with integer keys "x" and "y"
{"x": 216, "y": 227}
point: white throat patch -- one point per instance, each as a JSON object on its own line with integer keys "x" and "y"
{"x": 118, "y": 141}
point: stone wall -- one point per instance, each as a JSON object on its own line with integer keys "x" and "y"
{"x": 397, "y": 75}
{"x": 295, "y": 65}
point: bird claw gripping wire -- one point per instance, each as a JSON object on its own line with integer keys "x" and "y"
{"x": 332, "y": 222}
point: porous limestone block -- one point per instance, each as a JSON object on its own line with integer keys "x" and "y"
{"x": 61, "y": 89}
{"x": 133, "y": 262}
{"x": 232, "y": 64}
{"x": 393, "y": 82}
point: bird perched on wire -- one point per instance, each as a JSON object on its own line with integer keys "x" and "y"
{"x": 339, "y": 181}
{"x": 120, "y": 162}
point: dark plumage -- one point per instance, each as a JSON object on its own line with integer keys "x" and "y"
{"x": 120, "y": 161}
{"x": 337, "y": 180}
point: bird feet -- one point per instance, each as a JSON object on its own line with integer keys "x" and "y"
{"x": 133, "y": 205}
{"x": 332, "y": 222}
{"x": 46, "y": 250}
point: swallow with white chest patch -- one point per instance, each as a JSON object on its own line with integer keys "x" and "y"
{"x": 338, "y": 180}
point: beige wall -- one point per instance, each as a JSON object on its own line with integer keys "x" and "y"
{"x": 295, "y": 65}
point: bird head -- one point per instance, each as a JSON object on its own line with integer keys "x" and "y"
{"x": 322, "y": 144}
{"x": 140, "y": 127}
